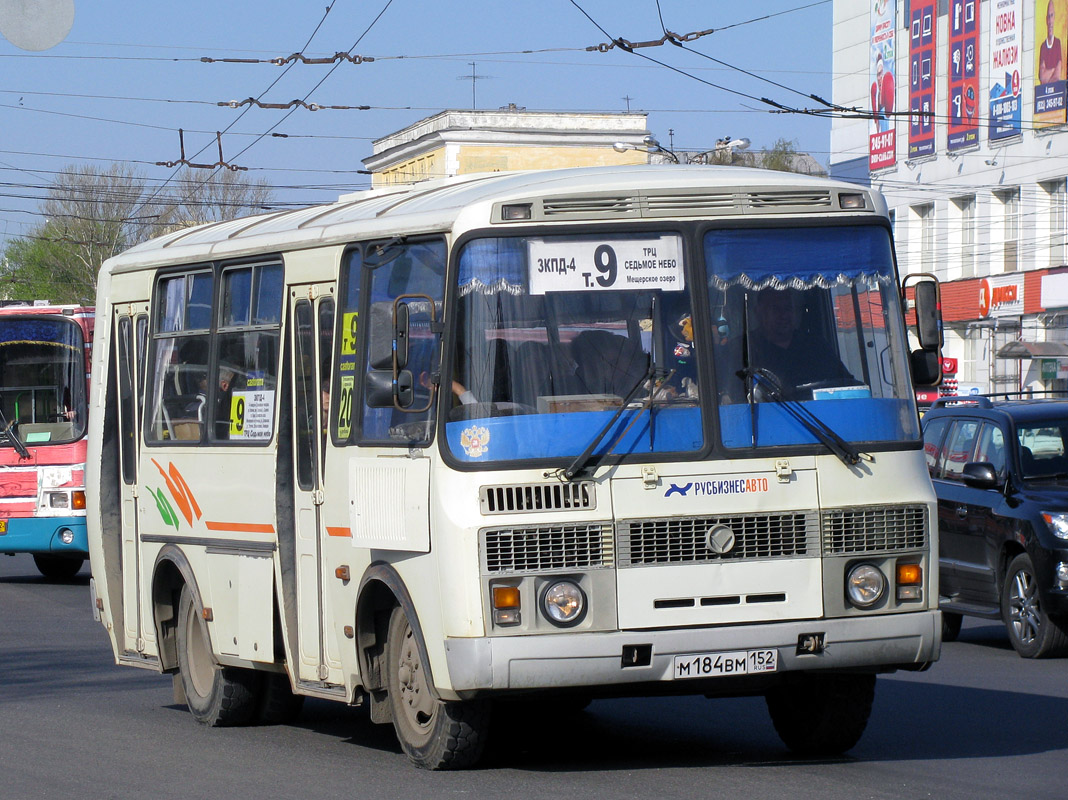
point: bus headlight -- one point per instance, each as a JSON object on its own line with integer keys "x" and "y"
{"x": 563, "y": 603}
{"x": 865, "y": 585}
{"x": 66, "y": 536}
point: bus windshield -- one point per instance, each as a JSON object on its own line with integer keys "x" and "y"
{"x": 808, "y": 317}
{"x": 557, "y": 333}
{"x": 42, "y": 379}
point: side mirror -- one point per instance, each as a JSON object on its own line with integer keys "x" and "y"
{"x": 382, "y": 392}
{"x": 380, "y": 336}
{"x": 928, "y": 315}
{"x": 980, "y": 475}
{"x": 926, "y": 367}
{"x": 379, "y": 388}
{"x": 400, "y": 335}
{"x": 387, "y": 334}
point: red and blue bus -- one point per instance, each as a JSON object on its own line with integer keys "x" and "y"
{"x": 44, "y": 369}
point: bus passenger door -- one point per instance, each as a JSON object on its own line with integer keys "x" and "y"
{"x": 312, "y": 316}
{"x": 131, "y": 326}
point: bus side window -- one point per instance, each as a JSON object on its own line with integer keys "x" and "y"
{"x": 179, "y": 371}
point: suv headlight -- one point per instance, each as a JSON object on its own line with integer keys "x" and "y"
{"x": 1057, "y": 522}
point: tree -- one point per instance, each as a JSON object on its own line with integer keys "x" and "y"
{"x": 782, "y": 156}
{"x": 91, "y": 214}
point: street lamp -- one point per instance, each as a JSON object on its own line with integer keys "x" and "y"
{"x": 727, "y": 146}
{"x": 649, "y": 145}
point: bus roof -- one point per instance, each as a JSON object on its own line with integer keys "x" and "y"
{"x": 566, "y": 195}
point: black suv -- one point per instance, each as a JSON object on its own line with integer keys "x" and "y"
{"x": 1000, "y": 470}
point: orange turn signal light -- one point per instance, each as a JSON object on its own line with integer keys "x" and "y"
{"x": 506, "y": 597}
{"x": 909, "y": 574}
{"x": 77, "y": 500}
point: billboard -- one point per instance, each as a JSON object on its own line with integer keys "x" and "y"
{"x": 963, "y": 72}
{"x": 1006, "y": 44}
{"x": 1051, "y": 27}
{"x": 922, "y": 16}
{"x": 882, "y": 144}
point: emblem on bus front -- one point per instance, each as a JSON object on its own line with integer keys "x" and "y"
{"x": 720, "y": 539}
{"x": 475, "y": 441}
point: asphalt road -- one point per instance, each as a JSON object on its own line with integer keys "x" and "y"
{"x": 982, "y": 723}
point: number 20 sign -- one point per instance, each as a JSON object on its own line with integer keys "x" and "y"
{"x": 560, "y": 265}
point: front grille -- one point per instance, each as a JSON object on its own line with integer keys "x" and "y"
{"x": 874, "y": 529}
{"x": 527, "y": 497}
{"x": 685, "y": 541}
{"x": 546, "y": 547}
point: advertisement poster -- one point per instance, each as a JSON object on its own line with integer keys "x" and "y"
{"x": 963, "y": 74}
{"x": 882, "y": 144}
{"x": 1006, "y": 45}
{"x": 922, "y": 16}
{"x": 1051, "y": 35}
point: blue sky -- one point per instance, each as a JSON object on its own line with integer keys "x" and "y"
{"x": 129, "y": 75}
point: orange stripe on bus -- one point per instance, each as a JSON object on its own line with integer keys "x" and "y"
{"x": 347, "y": 532}
{"x": 239, "y": 527}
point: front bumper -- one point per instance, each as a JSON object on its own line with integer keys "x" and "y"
{"x": 42, "y": 535}
{"x": 558, "y": 661}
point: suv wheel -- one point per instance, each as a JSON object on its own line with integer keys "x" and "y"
{"x": 1031, "y": 631}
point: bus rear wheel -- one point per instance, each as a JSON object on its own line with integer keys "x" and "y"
{"x": 434, "y": 734}
{"x": 216, "y": 695}
{"x": 822, "y": 715}
{"x": 58, "y": 568}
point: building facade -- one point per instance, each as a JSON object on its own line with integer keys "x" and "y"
{"x": 957, "y": 112}
{"x": 460, "y": 142}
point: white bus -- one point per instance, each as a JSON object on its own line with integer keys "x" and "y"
{"x": 557, "y": 435}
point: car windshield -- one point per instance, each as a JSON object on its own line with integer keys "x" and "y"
{"x": 1042, "y": 450}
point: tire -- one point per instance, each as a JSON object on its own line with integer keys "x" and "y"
{"x": 278, "y": 704}
{"x": 434, "y": 734}
{"x": 58, "y": 568}
{"x": 822, "y": 715}
{"x": 951, "y": 626}
{"x": 1031, "y": 631}
{"x": 217, "y": 696}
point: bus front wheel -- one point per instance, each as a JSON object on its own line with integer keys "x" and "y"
{"x": 434, "y": 734}
{"x": 822, "y": 715}
{"x": 216, "y": 695}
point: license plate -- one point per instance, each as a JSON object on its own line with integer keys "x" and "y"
{"x": 736, "y": 662}
{"x": 3, "y": 526}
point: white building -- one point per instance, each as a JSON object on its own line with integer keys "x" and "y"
{"x": 978, "y": 196}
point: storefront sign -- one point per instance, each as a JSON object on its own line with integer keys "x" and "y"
{"x": 1001, "y": 297}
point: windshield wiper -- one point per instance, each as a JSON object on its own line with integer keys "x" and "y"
{"x": 8, "y": 429}
{"x": 757, "y": 377}
{"x": 582, "y": 459}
